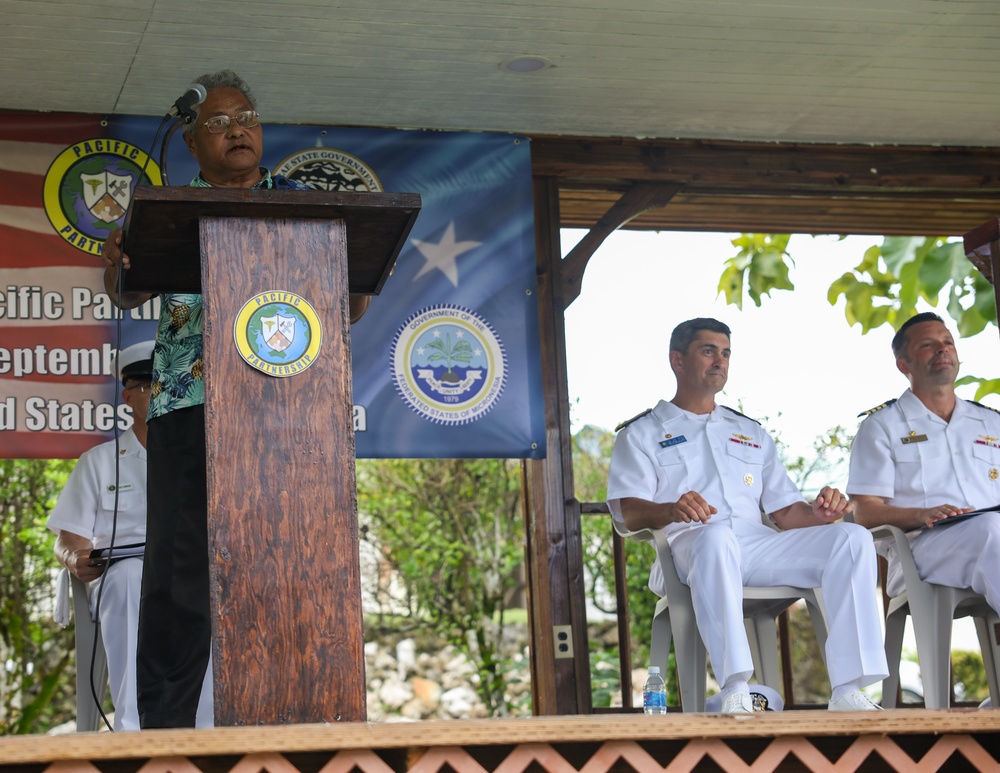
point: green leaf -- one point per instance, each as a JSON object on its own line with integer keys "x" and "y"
{"x": 910, "y": 288}
{"x": 985, "y": 300}
{"x": 760, "y": 266}
{"x": 898, "y": 250}
{"x": 869, "y": 261}
{"x": 841, "y": 286}
{"x": 986, "y": 386}
{"x": 936, "y": 270}
{"x": 971, "y": 323}
{"x": 731, "y": 284}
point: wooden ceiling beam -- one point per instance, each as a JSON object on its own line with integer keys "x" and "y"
{"x": 777, "y": 188}
{"x": 829, "y": 167}
{"x": 816, "y": 215}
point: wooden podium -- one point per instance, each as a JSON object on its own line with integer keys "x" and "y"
{"x": 288, "y": 642}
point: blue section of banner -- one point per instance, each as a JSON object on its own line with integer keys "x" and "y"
{"x": 446, "y": 360}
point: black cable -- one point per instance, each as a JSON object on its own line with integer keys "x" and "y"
{"x": 163, "y": 148}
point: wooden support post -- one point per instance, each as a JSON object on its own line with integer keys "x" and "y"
{"x": 555, "y": 553}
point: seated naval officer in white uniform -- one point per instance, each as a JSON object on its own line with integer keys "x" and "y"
{"x": 106, "y": 479}
{"x": 704, "y": 473}
{"x": 922, "y": 459}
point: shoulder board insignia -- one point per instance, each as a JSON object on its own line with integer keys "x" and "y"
{"x": 733, "y": 410}
{"x": 624, "y": 424}
{"x": 988, "y": 408}
{"x": 877, "y": 408}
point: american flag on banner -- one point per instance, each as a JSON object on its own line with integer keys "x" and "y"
{"x": 57, "y": 330}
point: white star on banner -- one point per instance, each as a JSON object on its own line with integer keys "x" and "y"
{"x": 442, "y": 255}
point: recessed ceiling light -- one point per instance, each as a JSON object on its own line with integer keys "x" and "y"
{"x": 521, "y": 65}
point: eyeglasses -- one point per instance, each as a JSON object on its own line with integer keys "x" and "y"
{"x": 142, "y": 386}
{"x": 217, "y": 124}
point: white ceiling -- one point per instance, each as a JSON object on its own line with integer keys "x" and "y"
{"x": 853, "y": 71}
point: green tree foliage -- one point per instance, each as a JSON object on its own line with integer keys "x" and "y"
{"x": 969, "y": 676}
{"x": 810, "y": 681}
{"x": 761, "y": 265}
{"x": 36, "y": 656}
{"x": 451, "y": 531}
{"x": 883, "y": 289}
{"x": 886, "y": 285}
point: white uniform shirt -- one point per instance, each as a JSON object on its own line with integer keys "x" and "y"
{"x": 913, "y": 458}
{"x": 86, "y": 505}
{"x": 729, "y": 459}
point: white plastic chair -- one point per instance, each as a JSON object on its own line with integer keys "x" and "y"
{"x": 88, "y": 717}
{"x": 674, "y": 619}
{"x": 933, "y": 608}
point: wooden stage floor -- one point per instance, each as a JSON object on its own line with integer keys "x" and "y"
{"x": 900, "y": 740}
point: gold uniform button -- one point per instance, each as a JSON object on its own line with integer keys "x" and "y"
{"x": 748, "y": 479}
{"x": 994, "y": 473}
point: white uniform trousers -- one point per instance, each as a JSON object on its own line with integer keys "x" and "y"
{"x": 117, "y": 591}
{"x": 717, "y": 560}
{"x": 119, "y": 618}
{"x": 964, "y": 555}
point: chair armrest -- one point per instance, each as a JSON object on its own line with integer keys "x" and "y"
{"x": 658, "y": 540}
{"x": 642, "y": 535}
{"x": 655, "y": 537}
{"x": 911, "y": 577}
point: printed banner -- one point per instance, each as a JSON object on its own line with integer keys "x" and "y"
{"x": 446, "y": 360}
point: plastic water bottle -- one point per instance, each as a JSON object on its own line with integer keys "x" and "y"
{"x": 654, "y": 693}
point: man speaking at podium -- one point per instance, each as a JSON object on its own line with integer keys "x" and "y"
{"x": 174, "y": 643}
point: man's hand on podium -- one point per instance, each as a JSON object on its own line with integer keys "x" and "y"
{"x": 111, "y": 252}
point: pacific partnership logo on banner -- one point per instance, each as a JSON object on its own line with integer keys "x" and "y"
{"x": 278, "y": 333}
{"x": 448, "y": 364}
{"x": 88, "y": 188}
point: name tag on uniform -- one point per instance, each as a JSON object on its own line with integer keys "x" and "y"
{"x": 913, "y": 439}
{"x": 672, "y": 441}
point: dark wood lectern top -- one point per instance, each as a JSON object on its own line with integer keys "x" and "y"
{"x": 163, "y": 244}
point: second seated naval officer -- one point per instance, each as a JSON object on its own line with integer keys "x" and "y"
{"x": 922, "y": 459}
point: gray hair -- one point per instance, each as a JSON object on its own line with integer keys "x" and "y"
{"x": 223, "y": 79}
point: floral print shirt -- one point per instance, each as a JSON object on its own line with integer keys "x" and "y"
{"x": 178, "y": 357}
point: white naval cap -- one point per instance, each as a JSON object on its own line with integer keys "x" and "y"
{"x": 136, "y": 361}
{"x": 762, "y": 697}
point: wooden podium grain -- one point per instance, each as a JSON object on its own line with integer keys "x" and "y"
{"x": 282, "y": 508}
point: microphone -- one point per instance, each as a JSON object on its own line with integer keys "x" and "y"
{"x": 185, "y": 104}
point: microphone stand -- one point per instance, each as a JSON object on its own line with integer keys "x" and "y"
{"x": 177, "y": 124}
